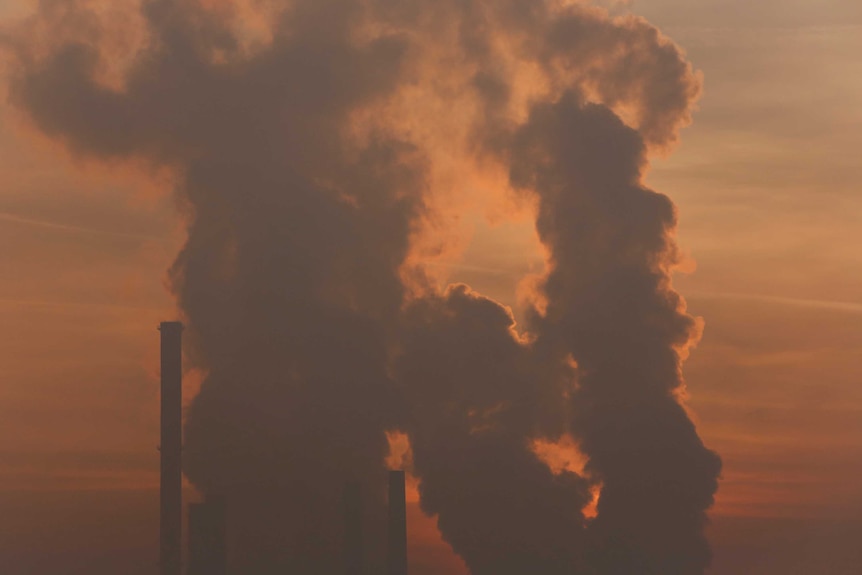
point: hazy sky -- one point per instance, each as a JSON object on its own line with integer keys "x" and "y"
{"x": 767, "y": 182}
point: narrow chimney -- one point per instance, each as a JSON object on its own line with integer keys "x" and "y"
{"x": 171, "y": 512}
{"x": 353, "y": 552}
{"x": 207, "y": 533}
{"x": 397, "y": 524}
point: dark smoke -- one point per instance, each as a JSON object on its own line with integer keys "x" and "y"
{"x": 476, "y": 393}
{"x": 610, "y": 305}
{"x": 319, "y": 156}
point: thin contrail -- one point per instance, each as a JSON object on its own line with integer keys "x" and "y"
{"x": 849, "y": 307}
{"x": 14, "y": 218}
{"x": 75, "y": 304}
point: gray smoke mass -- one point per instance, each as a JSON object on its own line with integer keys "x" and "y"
{"x": 318, "y": 145}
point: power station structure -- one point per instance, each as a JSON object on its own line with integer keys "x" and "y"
{"x": 354, "y": 562}
{"x": 208, "y": 521}
{"x": 397, "y": 551}
{"x": 171, "y": 448}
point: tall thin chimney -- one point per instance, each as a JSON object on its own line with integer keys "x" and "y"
{"x": 207, "y": 538}
{"x": 353, "y": 552}
{"x": 397, "y": 556}
{"x": 171, "y": 504}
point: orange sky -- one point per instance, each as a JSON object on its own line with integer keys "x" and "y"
{"x": 767, "y": 182}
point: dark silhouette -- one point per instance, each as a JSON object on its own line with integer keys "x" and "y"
{"x": 207, "y": 538}
{"x": 171, "y": 484}
{"x": 353, "y": 547}
{"x": 397, "y": 555}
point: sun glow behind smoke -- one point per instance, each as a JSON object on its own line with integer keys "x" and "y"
{"x": 566, "y": 455}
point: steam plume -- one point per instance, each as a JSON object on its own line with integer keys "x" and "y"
{"x": 320, "y": 146}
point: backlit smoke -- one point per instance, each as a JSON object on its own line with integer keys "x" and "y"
{"x": 322, "y": 148}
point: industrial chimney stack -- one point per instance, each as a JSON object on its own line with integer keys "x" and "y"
{"x": 171, "y": 510}
{"x": 397, "y": 556}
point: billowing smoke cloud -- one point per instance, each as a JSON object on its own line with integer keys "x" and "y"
{"x": 611, "y": 307}
{"x": 320, "y": 146}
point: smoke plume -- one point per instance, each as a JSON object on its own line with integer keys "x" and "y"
{"x": 321, "y": 148}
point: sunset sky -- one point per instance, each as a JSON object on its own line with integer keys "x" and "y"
{"x": 767, "y": 184}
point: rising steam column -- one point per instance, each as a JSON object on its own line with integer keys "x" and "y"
{"x": 397, "y": 559}
{"x": 171, "y": 504}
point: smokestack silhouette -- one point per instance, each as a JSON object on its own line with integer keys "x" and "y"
{"x": 207, "y": 538}
{"x": 353, "y": 551}
{"x": 397, "y": 559}
{"x": 170, "y": 494}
